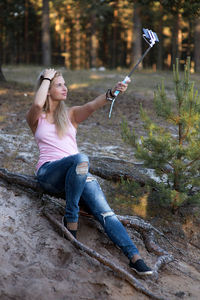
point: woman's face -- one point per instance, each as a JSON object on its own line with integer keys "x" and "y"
{"x": 58, "y": 89}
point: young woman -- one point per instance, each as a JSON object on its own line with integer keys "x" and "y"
{"x": 61, "y": 168}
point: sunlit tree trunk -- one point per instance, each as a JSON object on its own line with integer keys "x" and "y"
{"x": 176, "y": 37}
{"x": 114, "y": 36}
{"x": 137, "y": 35}
{"x": 67, "y": 48}
{"x": 93, "y": 43}
{"x": 197, "y": 46}
{"x": 46, "y": 40}
{"x": 129, "y": 47}
{"x": 78, "y": 41}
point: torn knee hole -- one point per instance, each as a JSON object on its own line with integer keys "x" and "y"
{"x": 82, "y": 168}
{"x": 107, "y": 214}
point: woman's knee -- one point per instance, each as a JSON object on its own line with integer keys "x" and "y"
{"x": 82, "y": 164}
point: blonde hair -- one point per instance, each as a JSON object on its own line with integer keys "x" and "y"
{"x": 60, "y": 114}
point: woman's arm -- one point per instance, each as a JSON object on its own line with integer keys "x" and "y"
{"x": 79, "y": 114}
{"x": 39, "y": 100}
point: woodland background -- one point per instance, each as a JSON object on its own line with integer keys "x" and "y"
{"x": 80, "y": 38}
{"x": 88, "y": 34}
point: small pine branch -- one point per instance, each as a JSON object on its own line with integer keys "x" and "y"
{"x": 163, "y": 106}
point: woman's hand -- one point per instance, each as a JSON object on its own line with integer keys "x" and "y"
{"x": 49, "y": 73}
{"x": 121, "y": 87}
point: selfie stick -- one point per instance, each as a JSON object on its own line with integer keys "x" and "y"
{"x": 151, "y": 38}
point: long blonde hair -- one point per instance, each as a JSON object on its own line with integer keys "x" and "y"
{"x": 60, "y": 114}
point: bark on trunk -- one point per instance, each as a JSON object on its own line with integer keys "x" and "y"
{"x": 93, "y": 43}
{"x": 197, "y": 46}
{"x": 46, "y": 40}
{"x": 160, "y": 35}
{"x": 176, "y": 38}
{"x": 137, "y": 35}
{"x": 2, "y": 77}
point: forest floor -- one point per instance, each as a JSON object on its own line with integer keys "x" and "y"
{"x": 37, "y": 262}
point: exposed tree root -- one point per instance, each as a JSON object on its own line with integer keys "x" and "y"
{"x": 147, "y": 232}
{"x": 20, "y": 179}
{"x": 161, "y": 261}
{"x": 145, "y": 229}
{"x": 121, "y": 272}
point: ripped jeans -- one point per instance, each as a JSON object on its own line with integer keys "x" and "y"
{"x": 70, "y": 175}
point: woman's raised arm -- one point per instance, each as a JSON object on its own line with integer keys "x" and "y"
{"x": 40, "y": 98}
{"x": 79, "y": 114}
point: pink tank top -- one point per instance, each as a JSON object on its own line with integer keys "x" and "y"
{"x": 51, "y": 147}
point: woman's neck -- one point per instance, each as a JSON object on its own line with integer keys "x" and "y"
{"x": 52, "y": 106}
{"x": 50, "y": 113}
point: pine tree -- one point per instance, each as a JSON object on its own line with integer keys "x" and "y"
{"x": 172, "y": 151}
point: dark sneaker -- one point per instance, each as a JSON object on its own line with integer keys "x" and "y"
{"x": 140, "y": 267}
{"x": 73, "y": 232}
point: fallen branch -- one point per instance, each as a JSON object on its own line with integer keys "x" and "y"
{"x": 121, "y": 272}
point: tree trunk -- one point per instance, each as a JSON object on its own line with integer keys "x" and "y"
{"x": 137, "y": 35}
{"x": 176, "y": 38}
{"x": 197, "y": 46}
{"x": 93, "y": 43}
{"x": 26, "y": 54}
{"x": 114, "y": 36}
{"x": 2, "y": 78}
{"x": 78, "y": 40}
{"x": 46, "y": 41}
{"x": 160, "y": 57}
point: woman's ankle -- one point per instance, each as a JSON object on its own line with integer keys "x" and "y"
{"x": 135, "y": 258}
{"x": 72, "y": 226}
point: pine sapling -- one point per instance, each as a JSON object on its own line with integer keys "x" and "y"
{"x": 173, "y": 149}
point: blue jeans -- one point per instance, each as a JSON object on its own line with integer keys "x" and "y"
{"x": 70, "y": 176}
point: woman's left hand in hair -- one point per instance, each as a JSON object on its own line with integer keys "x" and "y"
{"x": 49, "y": 73}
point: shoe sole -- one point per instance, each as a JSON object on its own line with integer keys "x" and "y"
{"x": 143, "y": 273}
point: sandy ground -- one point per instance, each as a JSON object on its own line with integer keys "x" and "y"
{"x": 38, "y": 263}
